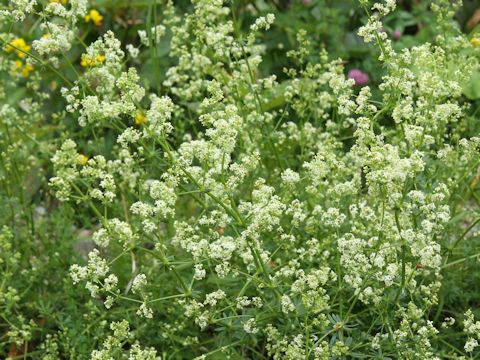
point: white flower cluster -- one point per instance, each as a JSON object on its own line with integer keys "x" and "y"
{"x": 65, "y": 162}
{"x": 114, "y": 92}
{"x": 472, "y": 329}
{"x": 113, "y": 345}
{"x": 263, "y": 23}
{"x": 117, "y": 231}
{"x": 94, "y": 273}
{"x": 17, "y": 10}
{"x": 156, "y": 33}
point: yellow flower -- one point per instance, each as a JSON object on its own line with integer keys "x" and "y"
{"x": 94, "y": 16}
{"x": 475, "y": 41}
{"x": 140, "y": 119}
{"x": 26, "y": 70}
{"x": 82, "y": 159}
{"x": 20, "y": 47}
{"x": 64, "y": 2}
{"x": 18, "y": 67}
{"x": 88, "y": 61}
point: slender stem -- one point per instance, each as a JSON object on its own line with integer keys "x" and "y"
{"x": 403, "y": 256}
{"x": 463, "y": 235}
{"x": 460, "y": 260}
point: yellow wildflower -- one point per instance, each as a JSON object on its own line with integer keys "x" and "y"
{"x": 82, "y": 159}
{"x": 24, "y": 70}
{"x": 94, "y": 16}
{"x": 140, "y": 119}
{"x": 475, "y": 41}
{"x": 27, "y": 69}
{"x": 19, "y": 46}
{"x": 64, "y": 2}
{"x": 88, "y": 61}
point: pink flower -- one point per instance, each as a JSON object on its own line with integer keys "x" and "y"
{"x": 359, "y": 76}
{"x": 397, "y": 34}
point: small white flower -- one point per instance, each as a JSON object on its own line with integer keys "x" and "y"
{"x": 139, "y": 283}
{"x": 145, "y": 311}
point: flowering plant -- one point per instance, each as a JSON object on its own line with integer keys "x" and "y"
{"x": 170, "y": 192}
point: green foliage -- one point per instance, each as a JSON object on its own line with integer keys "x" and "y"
{"x": 239, "y": 179}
